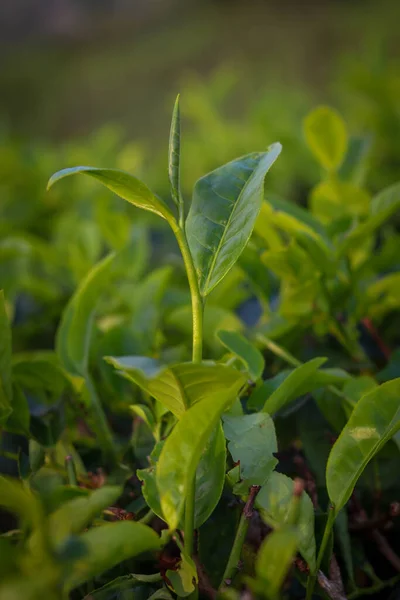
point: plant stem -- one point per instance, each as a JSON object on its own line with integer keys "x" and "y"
{"x": 100, "y": 423}
{"x": 71, "y": 470}
{"x": 374, "y": 588}
{"x": 197, "y": 314}
{"x": 327, "y": 532}
{"x": 234, "y": 557}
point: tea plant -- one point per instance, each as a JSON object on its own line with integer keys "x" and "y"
{"x": 240, "y": 473}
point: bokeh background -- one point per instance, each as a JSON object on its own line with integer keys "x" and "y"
{"x": 94, "y": 81}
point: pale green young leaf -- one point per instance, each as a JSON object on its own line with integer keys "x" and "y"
{"x": 174, "y": 153}
{"x": 252, "y": 443}
{"x": 184, "y": 578}
{"x": 75, "y": 330}
{"x": 124, "y": 185}
{"x": 274, "y": 501}
{"x": 274, "y": 561}
{"x": 178, "y": 386}
{"x": 374, "y": 420}
{"x": 249, "y": 355}
{"x": 5, "y": 363}
{"x": 223, "y": 212}
{"x": 109, "y": 545}
{"x": 292, "y": 386}
{"x": 326, "y": 136}
{"x": 182, "y": 450}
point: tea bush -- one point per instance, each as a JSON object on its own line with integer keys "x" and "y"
{"x": 224, "y": 424}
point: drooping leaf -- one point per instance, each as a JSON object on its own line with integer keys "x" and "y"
{"x": 108, "y": 545}
{"x": 326, "y": 136}
{"x": 123, "y": 184}
{"x": 274, "y": 560}
{"x": 374, "y": 420}
{"x": 292, "y": 386}
{"x": 210, "y": 477}
{"x": 250, "y": 356}
{"x": 274, "y": 501}
{"x": 75, "y": 330}
{"x": 174, "y": 153}
{"x": 223, "y": 212}
{"x": 252, "y": 443}
{"x": 184, "y": 578}
{"x": 182, "y": 450}
{"x": 5, "y": 363}
{"x": 177, "y": 386}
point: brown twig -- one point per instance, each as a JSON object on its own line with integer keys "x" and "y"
{"x": 330, "y": 587}
{"x": 205, "y": 585}
{"x": 368, "y": 324}
{"x": 385, "y": 549}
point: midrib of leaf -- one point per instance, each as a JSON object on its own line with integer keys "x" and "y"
{"x": 226, "y": 227}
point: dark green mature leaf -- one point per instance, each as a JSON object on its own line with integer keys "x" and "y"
{"x": 223, "y": 212}
{"x": 109, "y": 545}
{"x": 174, "y": 153}
{"x": 210, "y": 477}
{"x": 274, "y": 502}
{"x": 274, "y": 560}
{"x": 374, "y": 420}
{"x": 75, "y": 330}
{"x": 177, "y": 386}
{"x": 326, "y": 136}
{"x": 250, "y": 356}
{"x": 5, "y": 363}
{"x": 123, "y": 184}
{"x": 252, "y": 443}
{"x": 292, "y": 386}
{"x": 182, "y": 450}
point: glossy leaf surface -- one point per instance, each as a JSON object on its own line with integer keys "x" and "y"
{"x": 250, "y": 356}
{"x": 252, "y": 443}
{"x": 178, "y": 386}
{"x": 223, "y": 212}
{"x": 274, "y": 502}
{"x": 121, "y": 183}
{"x": 174, "y": 153}
{"x": 183, "y": 448}
{"x": 374, "y": 420}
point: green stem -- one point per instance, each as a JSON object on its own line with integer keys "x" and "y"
{"x": 325, "y": 539}
{"x": 374, "y": 588}
{"x": 197, "y": 314}
{"x": 147, "y": 517}
{"x": 100, "y": 423}
{"x": 71, "y": 470}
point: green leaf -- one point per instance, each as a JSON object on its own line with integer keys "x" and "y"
{"x": 182, "y": 450}
{"x": 174, "y": 153}
{"x": 42, "y": 379}
{"x": 223, "y": 212}
{"x": 19, "y": 500}
{"x": 252, "y": 443}
{"x": 292, "y": 386}
{"x": 123, "y": 184}
{"x": 74, "y": 516}
{"x": 75, "y": 331}
{"x": 5, "y": 363}
{"x": 374, "y": 420}
{"x": 210, "y": 477}
{"x": 326, "y": 136}
{"x": 19, "y": 419}
{"x": 274, "y": 561}
{"x": 333, "y": 200}
{"x": 184, "y": 579}
{"x": 274, "y": 502}
{"x": 250, "y": 356}
{"x": 179, "y": 386}
{"x": 110, "y": 545}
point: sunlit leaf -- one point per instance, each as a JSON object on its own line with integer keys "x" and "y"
{"x": 326, "y": 136}
{"x": 250, "y": 356}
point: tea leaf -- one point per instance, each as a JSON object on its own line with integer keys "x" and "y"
{"x": 178, "y": 386}
{"x": 110, "y": 544}
{"x": 5, "y": 363}
{"x": 374, "y": 420}
{"x": 274, "y": 502}
{"x": 182, "y": 450}
{"x": 252, "y": 443}
{"x": 326, "y": 136}
{"x": 250, "y": 356}
{"x": 184, "y": 578}
{"x": 174, "y": 153}
{"x": 124, "y": 185}
{"x": 223, "y": 212}
{"x": 75, "y": 330}
{"x": 292, "y": 386}
{"x": 274, "y": 560}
